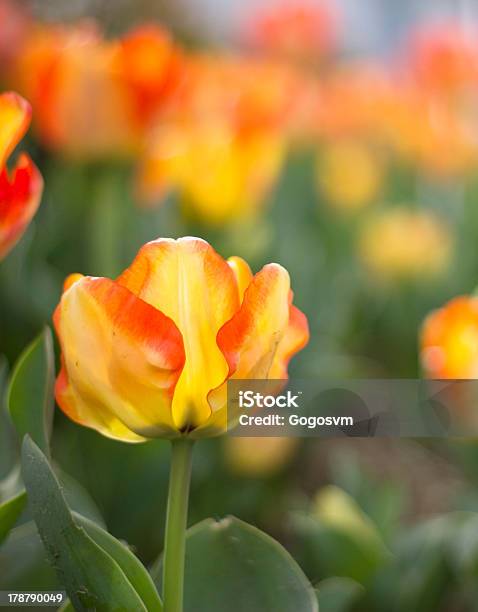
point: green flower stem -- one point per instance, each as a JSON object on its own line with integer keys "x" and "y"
{"x": 176, "y": 523}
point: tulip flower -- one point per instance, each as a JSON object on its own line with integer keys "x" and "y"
{"x": 81, "y": 106}
{"x": 405, "y": 244}
{"x": 150, "y": 65}
{"x": 449, "y": 340}
{"x": 220, "y": 175}
{"x": 149, "y": 354}
{"x": 444, "y": 57}
{"x": 258, "y": 457}
{"x": 304, "y": 30}
{"x": 20, "y": 187}
{"x": 224, "y": 146}
{"x": 349, "y": 174}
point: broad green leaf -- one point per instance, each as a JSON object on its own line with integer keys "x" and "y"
{"x": 30, "y": 394}
{"x": 338, "y": 594}
{"x": 338, "y": 539}
{"x": 10, "y": 510}
{"x": 128, "y": 562}
{"x": 67, "y": 607}
{"x": 92, "y": 579}
{"x": 233, "y": 566}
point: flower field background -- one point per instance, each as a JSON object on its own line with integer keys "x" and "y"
{"x": 357, "y": 173}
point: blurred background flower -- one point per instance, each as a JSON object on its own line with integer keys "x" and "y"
{"x": 404, "y": 243}
{"x": 449, "y": 340}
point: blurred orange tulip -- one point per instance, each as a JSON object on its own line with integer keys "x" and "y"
{"x": 301, "y": 30}
{"x": 81, "y": 108}
{"x": 443, "y": 57}
{"x": 449, "y": 340}
{"x": 151, "y": 67}
{"x": 149, "y": 354}
{"x": 353, "y": 100}
{"x": 20, "y": 188}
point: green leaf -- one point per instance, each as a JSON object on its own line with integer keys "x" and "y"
{"x": 30, "y": 394}
{"x": 92, "y": 579}
{"x": 338, "y": 594}
{"x": 12, "y": 501}
{"x": 67, "y": 607}
{"x": 128, "y": 562}
{"x": 233, "y": 566}
{"x": 9, "y": 513}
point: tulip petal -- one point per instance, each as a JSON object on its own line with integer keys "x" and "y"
{"x": 15, "y": 115}
{"x": 121, "y": 361}
{"x": 250, "y": 340}
{"x": 295, "y": 338}
{"x": 190, "y": 283}
{"x": 260, "y": 339}
{"x": 20, "y": 194}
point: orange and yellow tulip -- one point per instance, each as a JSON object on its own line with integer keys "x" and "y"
{"x": 149, "y": 354}
{"x": 449, "y": 340}
{"x": 81, "y": 106}
{"x": 224, "y": 145}
{"x": 21, "y": 187}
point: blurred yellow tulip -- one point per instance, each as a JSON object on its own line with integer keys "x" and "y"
{"x": 349, "y": 174}
{"x": 258, "y": 457}
{"x": 401, "y": 243}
